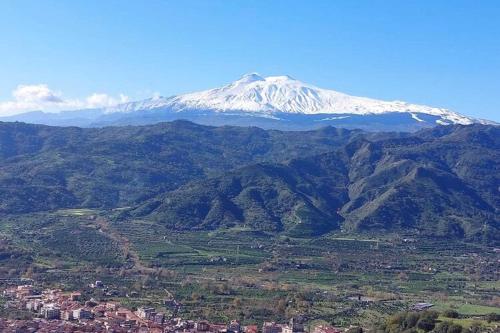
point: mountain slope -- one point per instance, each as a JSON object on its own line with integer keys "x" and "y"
{"x": 278, "y": 102}
{"x": 263, "y": 197}
{"x": 43, "y": 168}
{"x": 442, "y": 181}
{"x": 430, "y": 182}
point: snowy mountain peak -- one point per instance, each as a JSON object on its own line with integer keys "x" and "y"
{"x": 277, "y": 102}
{"x": 256, "y": 95}
{"x": 251, "y": 77}
{"x": 280, "y": 78}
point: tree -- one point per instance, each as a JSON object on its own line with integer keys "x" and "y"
{"x": 195, "y": 297}
{"x": 426, "y": 324}
{"x": 29, "y": 272}
{"x": 237, "y": 303}
{"x": 411, "y": 320}
{"x": 476, "y": 327}
{"x": 446, "y": 327}
{"x": 493, "y": 317}
{"x": 455, "y": 328}
{"x": 450, "y": 314}
{"x": 280, "y": 306}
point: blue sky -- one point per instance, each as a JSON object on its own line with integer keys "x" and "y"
{"x": 441, "y": 53}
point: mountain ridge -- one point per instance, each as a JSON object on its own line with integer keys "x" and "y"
{"x": 442, "y": 180}
{"x": 45, "y": 167}
{"x": 274, "y": 102}
{"x": 416, "y": 183}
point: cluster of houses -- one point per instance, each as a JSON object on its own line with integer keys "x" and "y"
{"x": 52, "y": 303}
{"x": 57, "y": 311}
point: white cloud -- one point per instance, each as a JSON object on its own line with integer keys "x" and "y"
{"x": 104, "y": 100}
{"x": 37, "y": 93}
{"x": 156, "y": 95}
{"x": 41, "y": 97}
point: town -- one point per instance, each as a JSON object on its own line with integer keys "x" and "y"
{"x": 56, "y": 311}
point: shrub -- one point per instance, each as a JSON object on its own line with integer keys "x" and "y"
{"x": 411, "y": 319}
{"x": 355, "y": 330}
{"x": 446, "y": 327}
{"x": 411, "y": 322}
{"x": 426, "y": 324}
{"x": 493, "y": 317}
{"x": 450, "y": 314}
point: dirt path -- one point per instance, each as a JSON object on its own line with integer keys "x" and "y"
{"x": 123, "y": 242}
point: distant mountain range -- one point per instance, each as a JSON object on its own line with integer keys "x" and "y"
{"x": 275, "y": 102}
{"x": 440, "y": 181}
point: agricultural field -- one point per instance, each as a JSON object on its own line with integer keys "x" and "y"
{"x": 253, "y": 276}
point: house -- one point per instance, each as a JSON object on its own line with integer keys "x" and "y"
{"x": 51, "y": 311}
{"x": 24, "y": 291}
{"x": 251, "y": 329}
{"x": 82, "y": 314}
{"x": 159, "y": 318}
{"x": 218, "y": 328}
{"x": 271, "y": 327}
{"x": 234, "y": 326}
{"x": 112, "y": 306}
{"x": 145, "y": 313}
{"x": 326, "y": 329}
{"x": 67, "y": 315}
{"x": 421, "y": 306}
{"x": 34, "y": 305}
{"x": 76, "y": 296}
{"x": 202, "y": 326}
{"x": 296, "y": 325}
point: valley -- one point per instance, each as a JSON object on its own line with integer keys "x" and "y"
{"x": 237, "y": 273}
{"x": 343, "y": 228}
{"x": 216, "y": 166}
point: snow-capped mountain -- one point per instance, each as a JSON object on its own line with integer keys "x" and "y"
{"x": 283, "y": 94}
{"x": 271, "y": 102}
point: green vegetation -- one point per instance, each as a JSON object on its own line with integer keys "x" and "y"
{"x": 469, "y": 309}
{"x": 439, "y": 181}
{"x": 340, "y": 226}
{"x": 253, "y": 275}
{"x": 47, "y": 168}
{"x": 437, "y": 186}
{"x": 431, "y": 321}
{"x": 411, "y": 322}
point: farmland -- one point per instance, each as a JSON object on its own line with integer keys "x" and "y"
{"x": 251, "y": 275}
